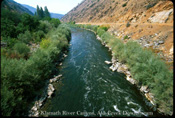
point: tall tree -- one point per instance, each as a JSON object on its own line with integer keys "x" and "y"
{"x": 46, "y": 12}
{"x": 37, "y": 11}
{"x": 41, "y": 13}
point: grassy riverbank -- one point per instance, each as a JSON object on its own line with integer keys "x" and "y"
{"x": 144, "y": 65}
{"x": 31, "y": 49}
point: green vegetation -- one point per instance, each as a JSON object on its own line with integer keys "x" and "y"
{"x": 42, "y": 14}
{"x": 124, "y": 5}
{"x": 128, "y": 24}
{"x": 125, "y": 37}
{"x": 150, "y": 5}
{"x": 23, "y": 71}
{"x": 145, "y": 67}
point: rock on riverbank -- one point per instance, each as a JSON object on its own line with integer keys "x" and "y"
{"x": 123, "y": 68}
{"x": 39, "y": 103}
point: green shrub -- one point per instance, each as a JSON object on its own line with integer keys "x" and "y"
{"x": 37, "y": 36}
{"x": 7, "y": 100}
{"x": 45, "y": 43}
{"x": 150, "y": 5}
{"x": 10, "y": 41}
{"x": 63, "y": 30}
{"x": 128, "y": 24}
{"x": 14, "y": 85}
{"x": 22, "y": 49}
{"x": 56, "y": 22}
{"x": 25, "y": 37}
{"x": 100, "y": 31}
{"x": 106, "y": 36}
{"x": 45, "y": 26}
{"x": 124, "y": 5}
{"x": 29, "y": 22}
{"x": 125, "y": 37}
{"x": 105, "y": 28}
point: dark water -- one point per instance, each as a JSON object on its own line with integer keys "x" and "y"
{"x": 89, "y": 87}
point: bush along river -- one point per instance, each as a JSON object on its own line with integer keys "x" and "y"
{"x": 89, "y": 88}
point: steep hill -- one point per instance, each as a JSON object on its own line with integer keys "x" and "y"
{"x": 53, "y": 15}
{"x": 15, "y": 7}
{"x": 150, "y": 22}
{"x": 116, "y": 11}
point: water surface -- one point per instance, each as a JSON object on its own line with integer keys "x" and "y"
{"x": 90, "y": 88}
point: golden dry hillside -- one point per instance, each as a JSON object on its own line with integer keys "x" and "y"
{"x": 150, "y": 22}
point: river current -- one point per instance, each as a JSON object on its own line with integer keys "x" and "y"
{"x": 90, "y": 88}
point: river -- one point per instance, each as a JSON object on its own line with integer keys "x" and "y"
{"x": 90, "y": 88}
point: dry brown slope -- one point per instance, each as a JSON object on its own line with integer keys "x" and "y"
{"x": 151, "y": 21}
{"x": 116, "y": 10}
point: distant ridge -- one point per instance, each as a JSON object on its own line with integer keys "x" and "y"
{"x": 15, "y": 7}
{"x": 33, "y": 10}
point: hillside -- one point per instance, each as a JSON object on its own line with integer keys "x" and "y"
{"x": 53, "y": 15}
{"x": 15, "y": 7}
{"x": 150, "y": 22}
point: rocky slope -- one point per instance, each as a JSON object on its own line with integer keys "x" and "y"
{"x": 15, "y": 7}
{"x": 150, "y": 22}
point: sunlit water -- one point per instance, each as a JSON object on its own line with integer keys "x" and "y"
{"x": 90, "y": 88}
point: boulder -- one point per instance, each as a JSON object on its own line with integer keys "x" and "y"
{"x": 128, "y": 73}
{"x": 171, "y": 50}
{"x": 64, "y": 55}
{"x": 113, "y": 60}
{"x": 114, "y": 66}
{"x": 160, "y": 17}
{"x": 108, "y": 62}
{"x": 34, "y": 108}
{"x": 123, "y": 68}
{"x": 55, "y": 79}
{"x": 144, "y": 89}
{"x": 50, "y": 90}
{"x": 161, "y": 42}
{"x": 150, "y": 97}
{"x": 131, "y": 80}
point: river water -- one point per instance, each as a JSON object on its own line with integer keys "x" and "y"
{"x": 90, "y": 88}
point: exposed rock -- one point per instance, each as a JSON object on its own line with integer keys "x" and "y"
{"x": 98, "y": 38}
{"x": 108, "y": 62}
{"x": 144, "y": 89}
{"x": 160, "y": 17}
{"x": 34, "y": 108}
{"x": 50, "y": 90}
{"x": 64, "y": 55}
{"x": 123, "y": 68}
{"x": 110, "y": 49}
{"x": 113, "y": 59}
{"x": 171, "y": 51}
{"x": 55, "y": 78}
{"x": 161, "y": 42}
{"x": 128, "y": 73}
{"x": 150, "y": 97}
{"x": 3, "y": 44}
{"x": 131, "y": 80}
{"x": 114, "y": 66}
{"x": 106, "y": 45}
{"x": 61, "y": 64}
{"x": 36, "y": 114}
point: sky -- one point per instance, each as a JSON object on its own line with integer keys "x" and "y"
{"x": 54, "y": 6}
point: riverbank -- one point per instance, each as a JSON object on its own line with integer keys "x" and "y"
{"x": 56, "y": 45}
{"x": 123, "y": 68}
{"x": 149, "y": 71}
{"x": 47, "y": 92}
